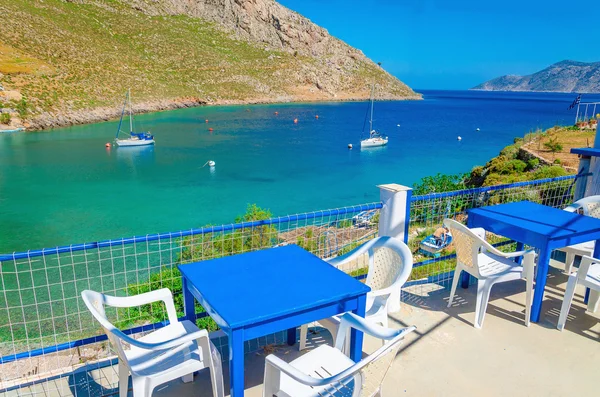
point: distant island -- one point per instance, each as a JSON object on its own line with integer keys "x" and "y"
{"x": 66, "y": 62}
{"x": 565, "y": 76}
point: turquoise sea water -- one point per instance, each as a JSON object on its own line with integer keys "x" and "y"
{"x": 63, "y": 186}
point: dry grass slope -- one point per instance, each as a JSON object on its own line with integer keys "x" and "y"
{"x": 68, "y": 56}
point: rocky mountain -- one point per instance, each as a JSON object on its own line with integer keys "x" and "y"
{"x": 70, "y": 61}
{"x": 565, "y": 76}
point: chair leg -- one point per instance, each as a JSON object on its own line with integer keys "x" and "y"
{"x": 483, "y": 295}
{"x": 303, "y": 336}
{"x": 569, "y": 260}
{"x": 568, "y": 299}
{"x": 140, "y": 387}
{"x": 528, "y": 294}
{"x": 455, "y": 280}
{"x": 593, "y": 301}
{"x": 272, "y": 380}
{"x": 123, "y": 379}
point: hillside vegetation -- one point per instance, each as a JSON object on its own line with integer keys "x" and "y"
{"x": 538, "y": 155}
{"x": 72, "y": 61}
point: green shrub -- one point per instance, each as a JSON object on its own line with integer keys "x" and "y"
{"x": 5, "y": 118}
{"x": 511, "y": 167}
{"x": 553, "y": 145}
{"x": 22, "y": 107}
{"x": 439, "y": 183}
{"x": 510, "y": 152}
{"x": 557, "y": 161}
{"x": 551, "y": 171}
{"x": 532, "y": 164}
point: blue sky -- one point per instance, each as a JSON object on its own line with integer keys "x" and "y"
{"x": 457, "y": 44}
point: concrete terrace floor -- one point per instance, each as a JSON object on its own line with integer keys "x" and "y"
{"x": 447, "y": 356}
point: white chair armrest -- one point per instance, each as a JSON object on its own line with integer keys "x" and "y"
{"x": 479, "y": 231}
{"x": 516, "y": 254}
{"x": 163, "y": 294}
{"x": 169, "y": 344}
{"x": 493, "y": 250}
{"x": 584, "y": 266}
{"x": 351, "y": 320}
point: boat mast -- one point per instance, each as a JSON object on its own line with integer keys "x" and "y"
{"x": 121, "y": 119}
{"x": 372, "y": 98}
{"x": 130, "y": 112}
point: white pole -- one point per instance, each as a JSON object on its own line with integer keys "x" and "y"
{"x": 130, "y": 112}
{"x": 394, "y": 220}
{"x": 577, "y": 116}
{"x": 395, "y": 214}
{"x": 372, "y": 99}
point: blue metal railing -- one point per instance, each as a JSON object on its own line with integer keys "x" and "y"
{"x": 186, "y": 233}
{"x": 232, "y": 227}
{"x": 464, "y": 192}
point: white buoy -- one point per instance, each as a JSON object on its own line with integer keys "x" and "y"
{"x": 211, "y": 163}
{"x": 477, "y": 129}
{"x": 349, "y": 146}
{"x": 459, "y": 138}
{"x": 397, "y": 125}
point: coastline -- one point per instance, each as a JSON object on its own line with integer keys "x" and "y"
{"x": 50, "y": 120}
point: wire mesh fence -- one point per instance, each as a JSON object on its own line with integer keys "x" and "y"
{"x": 46, "y": 331}
{"x": 434, "y": 263}
{"x": 45, "y": 328}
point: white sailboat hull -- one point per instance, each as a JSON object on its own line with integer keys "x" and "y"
{"x": 373, "y": 142}
{"x": 134, "y": 142}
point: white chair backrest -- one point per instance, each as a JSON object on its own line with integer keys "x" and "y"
{"x": 390, "y": 262}
{"x": 589, "y": 206}
{"x": 384, "y": 268}
{"x": 95, "y": 302}
{"x": 467, "y": 243}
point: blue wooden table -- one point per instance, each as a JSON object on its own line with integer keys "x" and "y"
{"x": 539, "y": 226}
{"x": 263, "y": 292}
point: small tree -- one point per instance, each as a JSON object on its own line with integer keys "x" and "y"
{"x": 553, "y": 145}
{"x": 22, "y": 107}
{"x": 5, "y": 118}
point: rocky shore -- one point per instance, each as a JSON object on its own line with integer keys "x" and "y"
{"x": 48, "y": 120}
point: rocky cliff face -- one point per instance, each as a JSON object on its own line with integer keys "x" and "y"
{"x": 269, "y": 24}
{"x": 565, "y": 76}
{"x": 83, "y": 54}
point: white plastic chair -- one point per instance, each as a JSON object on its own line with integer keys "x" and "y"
{"x": 390, "y": 264}
{"x": 174, "y": 351}
{"x": 589, "y": 206}
{"x": 327, "y": 371}
{"x": 480, "y": 259}
{"x": 587, "y": 275}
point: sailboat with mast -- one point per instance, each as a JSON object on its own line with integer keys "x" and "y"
{"x": 375, "y": 138}
{"x": 135, "y": 138}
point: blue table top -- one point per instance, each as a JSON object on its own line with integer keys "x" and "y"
{"x": 258, "y": 286}
{"x": 525, "y": 221}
